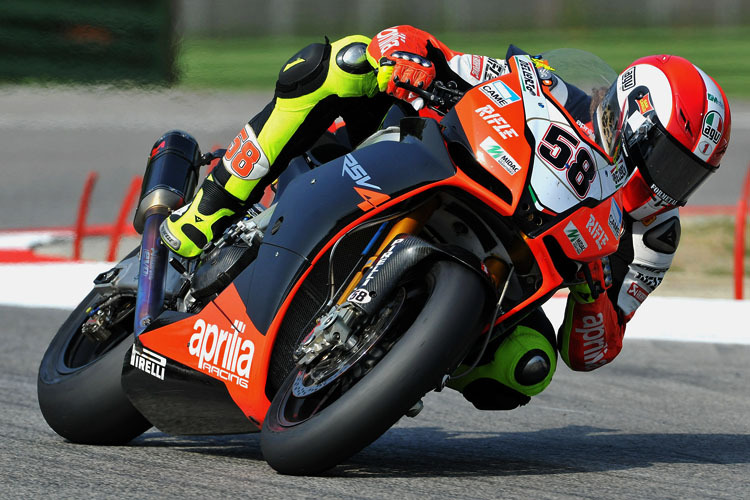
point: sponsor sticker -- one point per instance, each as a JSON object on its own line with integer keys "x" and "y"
{"x": 644, "y": 104}
{"x": 650, "y": 282}
{"x": 222, "y": 354}
{"x": 383, "y": 258}
{"x": 712, "y": 98}
{"x": 358, "y": 174}
{"x": 597, "y": 232}
{"x": 542, "y": 64}
{"x": 637, "y": 292}
{"x": 161, "y": 145}
{"x": 594, "y": 346}
{"x": 499, "y": 93}
{"x": 619, "y": 172}
{"x": 576, "y": 238}
{"x": 492, "y": 68}
{"x": 149, "y": 362}
{"x": 712, "y": 126}
{"x": 663, "y": 196}
{"x": 359, "y": 296}
{"x": 389, "y": 38}
{"x": 528, "y": 77}
{"x": 476, "y": 67}
{"x": 499, "y": 125}
{"x": 586, "y": 129}
{"x": 628, "y": 79}
{"x": 655, "y": 270}
{"x": 615, "y": 219}
{"x": 501, "y": 156}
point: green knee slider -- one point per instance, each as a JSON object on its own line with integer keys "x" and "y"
{"x": 522, "y": 366}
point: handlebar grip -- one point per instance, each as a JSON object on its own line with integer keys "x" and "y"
{"x": 423, "y": 93}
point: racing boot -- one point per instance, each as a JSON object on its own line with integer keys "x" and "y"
{"x": 187, "y": 230}
{"x": 223, "y": 194}
{"x": 522, "y": 366}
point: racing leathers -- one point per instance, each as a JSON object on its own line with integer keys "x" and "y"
{"x": 355, "y": 78}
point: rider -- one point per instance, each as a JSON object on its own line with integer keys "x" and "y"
{"x": 664, "y": 121}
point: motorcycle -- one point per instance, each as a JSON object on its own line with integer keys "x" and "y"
{"x": 325, "y": 317}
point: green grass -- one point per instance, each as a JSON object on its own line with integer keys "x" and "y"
{"x": 253, "y": 63}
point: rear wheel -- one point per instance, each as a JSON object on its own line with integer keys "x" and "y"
{"x": 79, "y": 387}
{"x": 327, "y": 411}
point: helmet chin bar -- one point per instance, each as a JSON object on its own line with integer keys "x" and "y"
{"x": 671, "y": 171}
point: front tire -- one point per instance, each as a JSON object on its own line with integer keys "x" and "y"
{"x": 79, "y": 387}
{"x": 297, "y": 440}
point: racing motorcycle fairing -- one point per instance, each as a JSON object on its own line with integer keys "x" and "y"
{"x": 231, "y": 339}
{"x": 317, "y": 205}
{"x": 510, "y": 147}
{"x": 221, "y": 342}
{"x": 492, "y": 119}
{"x": 178, "y": 398}
{"x": 530, "y": 144}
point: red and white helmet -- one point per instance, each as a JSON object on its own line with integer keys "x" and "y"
{"x": 672, "y": 121}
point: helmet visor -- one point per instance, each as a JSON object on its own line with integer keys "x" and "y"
{"x": 608, "y": 122}
{"x": 672, "y": 171}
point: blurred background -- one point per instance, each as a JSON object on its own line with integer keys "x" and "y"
{"x": 241, "y": 43}
{"x": 88, "y": 86}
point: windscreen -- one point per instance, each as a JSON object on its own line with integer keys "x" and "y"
{"x": 583, "y": 70}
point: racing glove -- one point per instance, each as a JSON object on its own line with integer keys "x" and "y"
{"x": 399, "y": 54}
{"x": 408, "y": 68}
{"x": 592, "y": 331}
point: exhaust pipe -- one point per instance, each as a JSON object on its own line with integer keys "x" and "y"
{"x": 170, "y": 179}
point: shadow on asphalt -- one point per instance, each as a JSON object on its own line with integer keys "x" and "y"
{"x": 431, "y": 451}
{"x": 245, "y": 446}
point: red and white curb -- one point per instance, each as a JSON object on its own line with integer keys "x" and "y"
{"x": 17, "y": 246}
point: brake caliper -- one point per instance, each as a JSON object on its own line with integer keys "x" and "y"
{"x": 96, "y": 325}
{"x": 332, "y": 331}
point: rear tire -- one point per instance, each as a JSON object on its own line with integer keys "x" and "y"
{"x": 79, "y": 387}
{"x": 433, "y": 343}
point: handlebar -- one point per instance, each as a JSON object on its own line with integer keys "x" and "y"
{"x": 439, "y": 96}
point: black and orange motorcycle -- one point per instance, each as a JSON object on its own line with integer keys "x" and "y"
{"x": 323, "y": 318}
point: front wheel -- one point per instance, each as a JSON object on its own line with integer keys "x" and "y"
{"x": 422, "y": 333}
{"x": 79, "y": 387}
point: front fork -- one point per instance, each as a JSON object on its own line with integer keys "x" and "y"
{"x": 410, "y": 224}
{"x": 334, "y": 328}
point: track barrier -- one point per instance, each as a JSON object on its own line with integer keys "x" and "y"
{"x": 116, "y": 230}
{"x": 24, "y": 252}
{"x": 739, "y": 238}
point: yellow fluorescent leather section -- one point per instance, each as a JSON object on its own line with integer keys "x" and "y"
{"x": 240, "y": 188}
{"x": 289, "y": 114}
